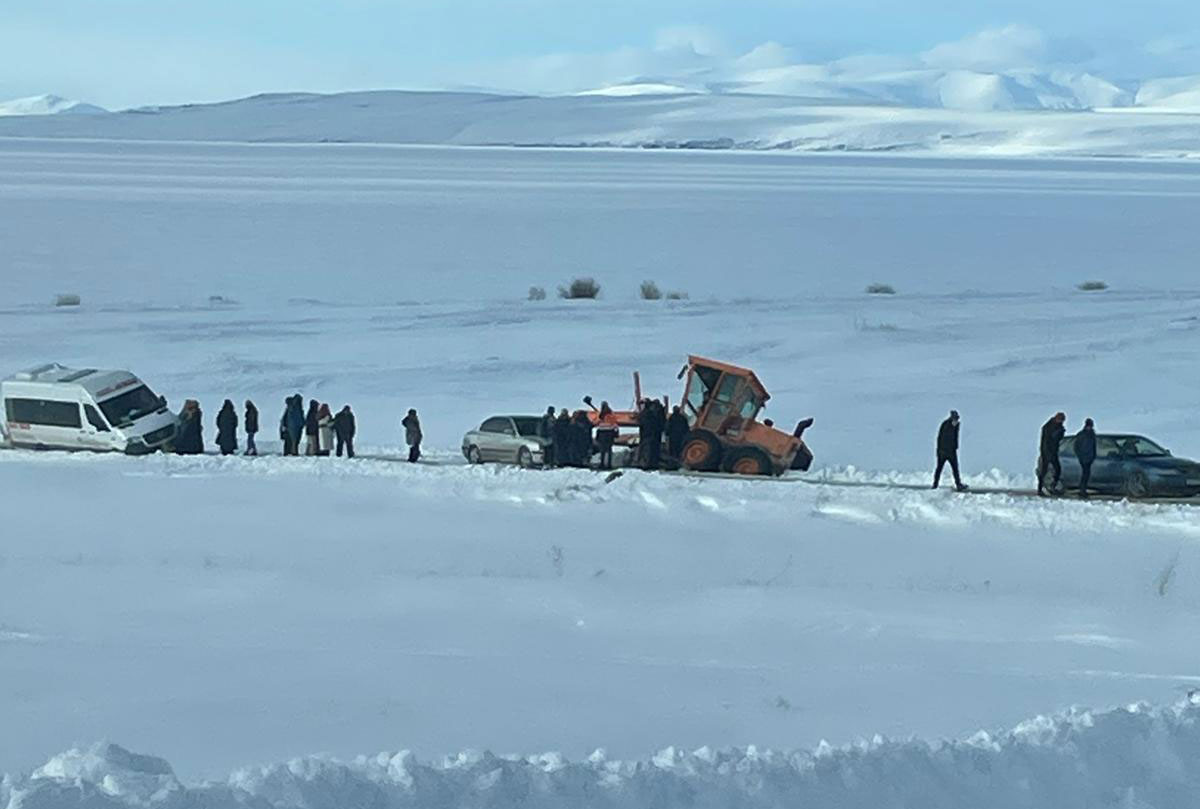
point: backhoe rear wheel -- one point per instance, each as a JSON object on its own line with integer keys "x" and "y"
{"x": 701, "y": 451}
{"x": 748, "y": 461}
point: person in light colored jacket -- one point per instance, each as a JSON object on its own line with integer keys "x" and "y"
{"x": 324, "y": 431}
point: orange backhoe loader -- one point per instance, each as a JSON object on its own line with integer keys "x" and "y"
{"x": 722, "y": 403}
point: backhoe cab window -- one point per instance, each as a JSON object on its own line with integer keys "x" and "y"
{"x": 700, "y": 386}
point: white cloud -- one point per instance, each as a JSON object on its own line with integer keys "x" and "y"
{"x": 996, "y": 49}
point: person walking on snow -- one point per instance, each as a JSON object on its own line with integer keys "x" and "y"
{"x": 1085, "y": 451}
{"x": 412, "y": 435}
{"x": 947, "y": 451}
{"x": 250, "y": 423}
{"x": 227, "y": 424}
{"x": 312, "y": 429}
{"x": 1053, "y": 433}
{"x": 324, "y": 431}
{"x": 343, "y": 428}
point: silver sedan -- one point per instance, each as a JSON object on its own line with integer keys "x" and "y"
{"x": 506, "y": 439}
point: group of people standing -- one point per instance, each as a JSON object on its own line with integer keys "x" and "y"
{"x": 318, "y": 430}
{"x": 572, "y": 440}
{"x": 1052, "y": 435}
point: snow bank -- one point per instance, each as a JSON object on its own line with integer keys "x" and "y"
{"x": 1136, "y": 756}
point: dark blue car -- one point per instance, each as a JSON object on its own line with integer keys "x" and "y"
{"x": 1131, "y": 465}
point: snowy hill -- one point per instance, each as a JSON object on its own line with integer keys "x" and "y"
{"x": 48, "y": 104}
{"x": 986, "y": 119}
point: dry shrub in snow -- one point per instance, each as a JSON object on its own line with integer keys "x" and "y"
{"x": 66, "y": 299}
{"x": 585, "y": 288}
{"x": 677, "y": 296}
{"x": 650, "y": 291}
{"x": 537, "y": 294}
{"x": 1093, "y": 286}
{"x": 881, "y": 289}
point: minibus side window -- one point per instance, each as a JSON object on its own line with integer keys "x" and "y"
{"x": 94, "y": 419}
{"x": 43, "y": 412}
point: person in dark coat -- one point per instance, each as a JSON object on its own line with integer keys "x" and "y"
{"x": 1085, "y": 451}
{"x": 677, "y": 430}
{"x": 947, "y": 451}
{"x": 189, "y": 436}
{"x": 250, "y": 423}
{"x": 343, "y": 430}
{"x": 581, "y": 439}
{"x": 546, "y": 431}
{"x": 227, "y": 424}
{"x": 562, "y": 439}
{"x": 656, "y": 418}
{"x": 412, "y": 435}
{"x": 1053, "y": 433}
{"x": 291, "y": 426}
{"x": 312, "y": 428}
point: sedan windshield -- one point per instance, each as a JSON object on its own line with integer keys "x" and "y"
{"x": 130, "y": 406}
{"x": 1136, "y": 446}
{"x": 528, "y": 426}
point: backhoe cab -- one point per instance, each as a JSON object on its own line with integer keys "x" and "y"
{"x": 722, "y": 403}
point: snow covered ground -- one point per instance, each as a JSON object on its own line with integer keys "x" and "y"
{"x": 226, "y": 613}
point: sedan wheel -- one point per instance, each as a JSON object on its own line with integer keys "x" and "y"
{"x": 473, "y": 455}
{"x": 1136, "y": 485}
{"x": 525, "y": 458}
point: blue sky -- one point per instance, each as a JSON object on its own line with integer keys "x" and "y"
{"x": 127, "y": 52}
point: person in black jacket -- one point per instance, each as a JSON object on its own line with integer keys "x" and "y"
{"x": 677, "y": 430}
{"x": 654, "y": 435}
{"x": 1052, "y": 436}
{"x": 343, "y": 429}
{"x": 947, "y": 451}
{"x": 412, "y": 435}
{"x": 581, "y": 439}
{"x": 312, "y": 428}
{"x": 227, "y": 424}
{"x": 546, "y": 431}
{"x": 250, "y": 423}
{"x": 1085, "y": 451}
{"x": 562, "y": 439}
{"x": 189, "y": 435}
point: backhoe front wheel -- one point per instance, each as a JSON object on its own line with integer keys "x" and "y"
{"x": 701, "y": 451}
{"x": 748, "y": 461}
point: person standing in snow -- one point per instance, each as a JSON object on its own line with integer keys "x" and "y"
{"x": 189, "y": 435}
{"x": 656, "y": 416}
{"x": 546, "y": 430}
{"x": 677, "y": 430}
{"x": 343, "y": 428}
{"x": 324, "y": 431}
{"x": 1052, "y": 436}
{"x": 947, "y": 451}
{"x": 312, "y": 430}
{"x": 250, "y": 422}
{"x": 412, "y": 435}
{"x": 227, "y": 424}
{"x": 581, "y": 439}
{"x": 291, "y": 425}
{"x": 606, "y": 435}
{"x": 1085, "y": 451}
{"x": 562, "y": 439}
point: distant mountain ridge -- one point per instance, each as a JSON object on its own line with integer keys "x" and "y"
{"x": 48, "y": 104}
{"x": 951, "y": 112}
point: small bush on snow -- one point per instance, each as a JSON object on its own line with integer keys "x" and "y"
{"x": 677, "y": 296}
{"x": 1092, "y": 286}
{"x": 66, "y": 299}
{"x": 537, "y": 294}
{"x": 580, "y": 288}
{"x": 650, "y": 291}
{"x": 881, "y": 289}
